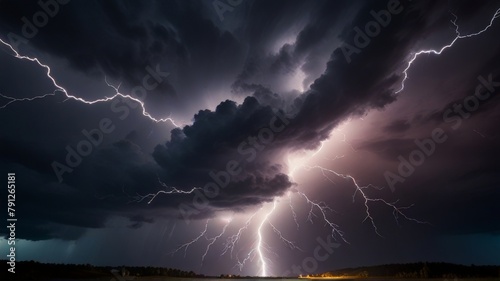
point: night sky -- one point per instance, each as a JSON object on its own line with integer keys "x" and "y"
{"x": 279, "y": 137}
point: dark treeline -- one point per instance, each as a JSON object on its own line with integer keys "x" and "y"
{"x": 32, "y": 270}
{"x": 420, "y": 270}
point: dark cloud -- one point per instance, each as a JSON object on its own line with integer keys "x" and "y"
{"x": 170, "y": 34}
{"x": 217, "y": 137}
{"x": 388, "y": 148}
{"x": 397, "y": 126}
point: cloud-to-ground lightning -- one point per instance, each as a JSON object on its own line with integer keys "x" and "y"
{"x": 359, "y": 189}
{"x": 62, "y": 90}
{"x": 260, "y": 242}
{"x": 323, "y": 209}
{"x": 250, "y": 255}
{"x": 449, "y": 45}
{"x": 259, "y": 247}
{"x": 212, "y": 240}
{"x": 292, "y": 209}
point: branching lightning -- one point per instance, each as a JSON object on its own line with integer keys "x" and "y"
{"x": 292, "y": 209}
{"x": 397, "y": 211}
{"x": 323, "y": 209}
{"x": 287, "y": 242}
{"x": 257, "y": 249}
{"x": 439, "y": 51}
{"x": 317, "y": 209}
{"x": 212, "y": 240}
{"x": 13, "y": 100}
{"x": 260, "y": 243}
{"x": 168, "y": 190}
{"x": 60, "y": 89}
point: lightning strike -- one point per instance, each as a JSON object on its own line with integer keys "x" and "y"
{"x": 260, "y": 242}
{"x": 335, "y": 158}
{"x": 344, "y": 140}
{"x": 287, "y": 242}
{"x": 323, "y": 208}
{"x": 13, "y": 100}
{"x": 249, "y": 257}
{"x": 186, "y": 245}
{"x": 292, "y": 209}
{"x": 479, "y": 133}
{"x": 213, "y": 240}
{"x": 172, "y": 231}
{"x": 397, "y": 211}
{"x": 438, "y": 52}
{"x": 62, "y": 90}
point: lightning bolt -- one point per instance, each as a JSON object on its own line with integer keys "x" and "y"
{"x": 479, "y": 133}
{"x": 323, "y": 209}
{"x": 292, "y": 209}
{"x": 185, "y": 246}
{"x": 62, "y": 90}
{"x": 260, "y": 243}
{"x": 259, "y": 247}
{"x": 439, "y": 51}
{"x": 335, "y": 158}
{"x": 397, "y": 211}
{"x": 320, "y": 206}
{"x": 359, "y": 189}
{"x": 168, "y": 190}
{"x": 13, "y": 100}
{"x": 287, "y": 242}
{"x": 249, "y": 256}
{"x": 212, "y": 240}
{"x": 235, "y": 238}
